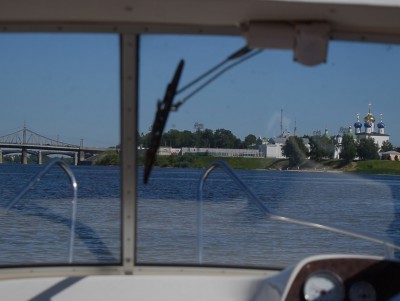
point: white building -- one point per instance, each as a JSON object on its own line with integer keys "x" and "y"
{"x": 273, "y": 148}
{"x": 390, "y": 155}
{"x": 168, "y": 151}
{"x": 370, "y": 131}
{"x": 222, "y": 152}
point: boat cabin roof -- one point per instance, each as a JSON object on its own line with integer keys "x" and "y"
{"x": 352, "y": 19}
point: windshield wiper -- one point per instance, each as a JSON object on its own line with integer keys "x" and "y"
{"x": 163, "y": 109}
{"x": 236, "y": 58}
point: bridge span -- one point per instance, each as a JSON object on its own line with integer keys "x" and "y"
{"x": 27, "y": 142}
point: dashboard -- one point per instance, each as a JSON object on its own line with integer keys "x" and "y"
{"x": 336, "y": 278}
{"x": 318, "y": 278}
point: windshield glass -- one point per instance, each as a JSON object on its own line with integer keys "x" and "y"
{"x": 312, "y": 143}
{"x": 60, "y": 99}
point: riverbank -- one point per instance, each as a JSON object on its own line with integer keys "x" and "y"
{"x": 375, "y": 167}
{"x": 191, "y": 161}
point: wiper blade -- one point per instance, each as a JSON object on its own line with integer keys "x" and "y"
{"x": 163, "y": 109}
{"x": 231, "y": 61}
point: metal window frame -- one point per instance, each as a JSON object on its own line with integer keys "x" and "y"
{"x": 129, "y": 115}
{"x": 128, "y": 129}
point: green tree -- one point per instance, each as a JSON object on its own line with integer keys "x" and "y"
{"x": 171, "y": 138}
{"x": 144, "y": 139}
{"x": 250, "y": 140}
{"x": 111, "y": 157}
{"x": 225, "y": 139}
{"x": 295, "y": 150}
{"x": 367, "y": 149}
{"x": 386, "y": 146}
{"x": 197, "y": 138}
{"x": 200, "y": 138}
{"x": 321, "y": 147}
{"x": 349, "y": 149}
{"x": 186, "y": 138}
{"x": 207, "y": 138}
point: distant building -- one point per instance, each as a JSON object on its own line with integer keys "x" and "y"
{"x": 339, "y": 139}
{"x": 168, "y": 151}
{"x": 365, "y": 130}
{"x": 390, "y": 155}
{"x": 379, "y": 136}
{"x": 222, "y": 152}
{"x": 273, "y": 148}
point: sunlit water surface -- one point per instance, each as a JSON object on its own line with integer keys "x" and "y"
{"x": 234, "y": 231}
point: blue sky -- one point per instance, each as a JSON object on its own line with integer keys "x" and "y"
{"x": 249, "y": 98}
{"x": 64, "y": 86}
{"x": 67, "y": 86}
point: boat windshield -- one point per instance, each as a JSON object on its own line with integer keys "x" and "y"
{"x": 294, "y": 144}
{"x": 289, "y": 131}
{"x": 60, "y": 95}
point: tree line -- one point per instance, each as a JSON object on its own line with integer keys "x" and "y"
{"x": 220, "y": 138}
{"x": 323, "y": 147}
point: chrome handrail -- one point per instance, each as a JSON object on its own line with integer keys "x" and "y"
{"x": 389, "y": 246}
{"x": 74, "y": 185}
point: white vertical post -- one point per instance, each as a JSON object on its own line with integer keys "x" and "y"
{"x": 129, "y": 94}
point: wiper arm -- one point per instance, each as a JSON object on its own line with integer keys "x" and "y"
{"x": 236, "y": 54}
{"x": 234, "y": 59}
{"x": 163, "y": 109}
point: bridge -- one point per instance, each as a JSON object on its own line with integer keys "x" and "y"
{"x": 27, "y": 142}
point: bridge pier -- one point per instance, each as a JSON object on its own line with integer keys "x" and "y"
{"x": 24, "y": 156}
{"x": 81, "y": 156}
{"x": 76, "y": 159}
{"x": 1, "y": 156}
{"x": 39, "y": 155}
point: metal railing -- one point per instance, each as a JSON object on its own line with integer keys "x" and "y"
{"x": 74, "y": 185}
{"x": 389, "y": 246}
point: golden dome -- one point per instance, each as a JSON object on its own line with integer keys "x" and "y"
{"x": 369, "y": 118}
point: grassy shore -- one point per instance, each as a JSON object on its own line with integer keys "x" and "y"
{"x": 193, "y": 161}
{"x": 376, "y": 167}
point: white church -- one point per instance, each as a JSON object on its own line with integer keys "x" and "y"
{"x": 367, "y": 130}
{"x": 378, "y": 133}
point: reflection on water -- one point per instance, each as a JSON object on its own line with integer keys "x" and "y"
{"x": 235, "y": 232}
{"x": 37, "y": 228}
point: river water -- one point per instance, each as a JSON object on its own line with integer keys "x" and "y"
{"x": 234, "y": 231}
